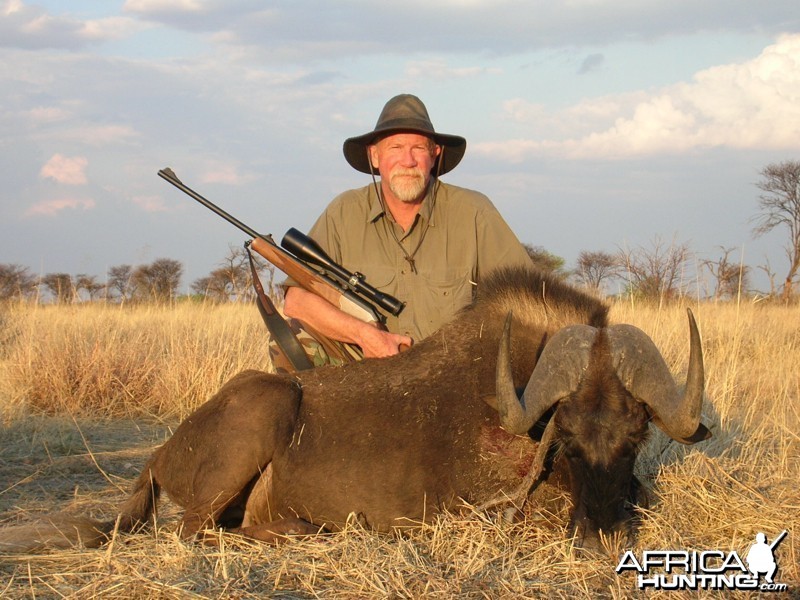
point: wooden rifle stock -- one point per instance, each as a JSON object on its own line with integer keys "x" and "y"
{"x": 311, "y": 280}
{"x": 315, "y": 282}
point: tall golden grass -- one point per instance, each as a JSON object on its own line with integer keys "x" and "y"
{"x": 86, "y": 393}
{"x": 110, "y": 361}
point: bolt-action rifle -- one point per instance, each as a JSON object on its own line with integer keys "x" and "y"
{"x": 302, "y": 259}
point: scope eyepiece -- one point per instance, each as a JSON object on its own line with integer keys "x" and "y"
{"x": 305, "y": 248}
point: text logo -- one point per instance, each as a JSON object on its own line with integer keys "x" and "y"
{"x": 707, "y": 570}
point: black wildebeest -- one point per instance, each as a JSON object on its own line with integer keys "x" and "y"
{"x": 397, "y": 440}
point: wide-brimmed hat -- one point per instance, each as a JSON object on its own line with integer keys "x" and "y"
{"x": 404, "y": 114}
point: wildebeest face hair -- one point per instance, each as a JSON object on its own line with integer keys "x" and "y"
{"x": 600, "y": 430}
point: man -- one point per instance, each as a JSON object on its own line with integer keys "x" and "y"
{"x": 423, "y": 241}
{"x": 760, "y": 558}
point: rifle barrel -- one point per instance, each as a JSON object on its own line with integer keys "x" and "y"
{"x": 778, "y": 539}
{"x": 351, "y": 285}
{"x": 169, "y": 175}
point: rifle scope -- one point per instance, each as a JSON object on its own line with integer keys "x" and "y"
{"x": 305, "y": 248}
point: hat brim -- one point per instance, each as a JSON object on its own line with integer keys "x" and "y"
{"x": 355, "y": 149}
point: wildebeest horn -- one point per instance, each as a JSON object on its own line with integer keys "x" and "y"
{"x": 642, "y": 370}
{"x": 557, "y": 374}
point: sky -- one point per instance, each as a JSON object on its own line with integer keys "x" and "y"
{"x": 591, "y": 125}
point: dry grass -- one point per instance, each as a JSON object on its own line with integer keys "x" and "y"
{"x": 86, "y": 393}
{"x": 111, "y": 361}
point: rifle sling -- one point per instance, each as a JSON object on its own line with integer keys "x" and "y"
{"x": 278, "y": 328}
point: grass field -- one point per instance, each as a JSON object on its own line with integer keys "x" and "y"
{"x": 87, "y": 392}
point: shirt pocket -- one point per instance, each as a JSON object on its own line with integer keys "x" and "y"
{"x": 381, "y": 278}
{"x": 384, "y": 279}
{"x": 440, "y": 298}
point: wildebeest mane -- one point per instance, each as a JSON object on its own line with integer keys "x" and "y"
{"x": 529, "y": 291}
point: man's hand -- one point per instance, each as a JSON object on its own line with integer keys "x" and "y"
{"x": 330, "y": 321}
{"x": 376, "y": 343}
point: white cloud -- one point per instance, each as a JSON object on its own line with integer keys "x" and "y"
{"x": 100, "y": 135}
{"x": 47, "y": 114}
{"x": 296, "y": 31}
{"x": 440, "y": 70}
{"x": 150, "y": 203}
{"x": 222, "y": 173}
{"x": 111, "y": 28}
{"x": 292, "y": 31}
{"x": 96, "y": 135}
{"x": 50, "y": 208}
{"x": 65, "y": 170}
{"x": 31, "y": 26}
{"x": 11, "y": 6}
{"x": 156, "y": 6}
{"x": 751, "y": 105}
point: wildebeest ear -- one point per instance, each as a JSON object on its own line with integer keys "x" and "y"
{"x": 491, "y": 401}
{"x": 702, "y": 433}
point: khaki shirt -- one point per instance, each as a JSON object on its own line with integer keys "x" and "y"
{"x": 458, "y": 239}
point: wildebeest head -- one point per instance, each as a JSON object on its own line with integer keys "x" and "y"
{"x": 605, "y": 385}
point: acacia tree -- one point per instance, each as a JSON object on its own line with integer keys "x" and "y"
{"x": 118, "y": 282}
{"x": 779, "y": 206}
{"x": 545, "y": 260}
{"x": 157, "y": 281}
{"x": 213, "y": 286}
{"x": 656, "y": 272}
{"x": 60, "y": 286}
{"x": 16, "y": 281}
{"x": 593, "y": 268}
{"x": 88, "y": 284}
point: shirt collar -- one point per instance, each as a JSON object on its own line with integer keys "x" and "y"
{"x": 425, "y": 212}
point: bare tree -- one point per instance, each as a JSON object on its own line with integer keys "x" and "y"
{"x": 594, "y": 268}
{"x": 730, "y": 277}
{"x": 779, "y": 206}
{"x": 16, "y": 282}
{"x": 213, "y": 286}
{"x": 235, "y": 271}
{"x": 158, "y": 281}
{"x": 119, "y": 282}
{"x": 771, "y": 275}
{"x": 655, "y": 273}
{"x": 233, "y": 280}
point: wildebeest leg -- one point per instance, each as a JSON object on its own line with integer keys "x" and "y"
{"x": 258, "y": 509}
{"x": 217, "y": 452}
{"x": 279, "y": 531}
{"x": 261, "y": 524}
{"x": 204, "y": 516}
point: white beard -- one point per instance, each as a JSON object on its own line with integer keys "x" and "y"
{"x": 407, "y": 189}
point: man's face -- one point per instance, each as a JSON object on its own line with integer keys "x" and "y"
{"x": 404, "y": 161}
